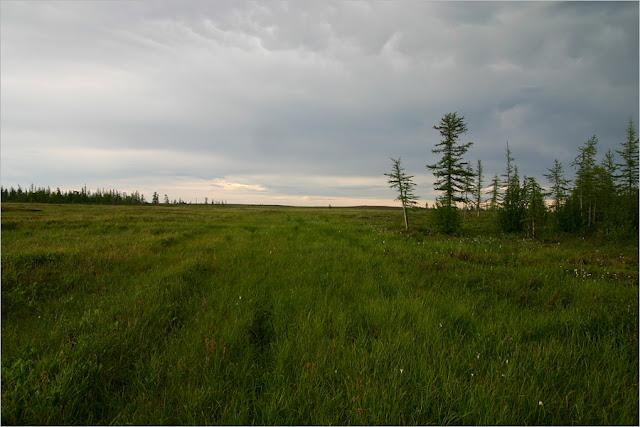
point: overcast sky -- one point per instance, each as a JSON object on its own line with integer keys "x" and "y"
{"x": 303, "y": 103}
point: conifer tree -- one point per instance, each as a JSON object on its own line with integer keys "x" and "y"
{"x": 606, "y": 194}
{"x": 512, "y": 211}
{"x": 559, "y": 185}
{"x": 495, "y": 192}
{"x": 533, "y": 201}
{"x": 509, "y": 171}
{"x": 585, "y": 164}
{"x": 404, "y": 184}
{"x": 450, "y": 172}
{"x": 468, "y": 189}
{"x": 478, "y": 186}
{"x": 628, "y": 179}
{"x": 629, "y": 167}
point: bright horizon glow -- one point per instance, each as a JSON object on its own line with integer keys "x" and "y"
{"x": 238, "y": 197}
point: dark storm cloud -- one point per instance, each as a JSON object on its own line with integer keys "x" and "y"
{"x": 290, "y": 99}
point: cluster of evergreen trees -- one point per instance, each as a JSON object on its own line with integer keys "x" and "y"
{"x": 602, "y": 197}
{"x": 100, "y": 196}
{"x": 46, "y": 195}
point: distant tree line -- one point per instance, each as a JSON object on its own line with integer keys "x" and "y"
{"x": 602, "y": 197}
{"x": 46, "y": 195}
{"x": 84, "y": 195}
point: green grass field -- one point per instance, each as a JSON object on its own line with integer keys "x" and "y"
{"x": 273, "y": 315}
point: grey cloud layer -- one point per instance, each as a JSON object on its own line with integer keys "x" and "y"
{"x": 220, "y": 89}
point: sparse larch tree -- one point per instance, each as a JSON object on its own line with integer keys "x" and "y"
{"x": 511, "y": 213}
{"x": 404, "y": 184}
{"x": 585, "y": 180}
{"x": 510, "y": 167}
{"x": 495, "y": 192}
{"x": 559, "y": 185}
{"x": 533, "y": 198}
{"x": 606, "y": 195}
{"x": 469, "y": 189}
{"x": 629, "y": 167}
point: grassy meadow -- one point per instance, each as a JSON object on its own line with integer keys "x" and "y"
{"x": 272, "y": 315}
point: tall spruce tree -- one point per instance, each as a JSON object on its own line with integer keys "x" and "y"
{"x": 404, "y": 184}
{"x": 450, "y": 172}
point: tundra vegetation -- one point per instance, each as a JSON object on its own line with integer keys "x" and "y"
{"x": 222, "y": 314}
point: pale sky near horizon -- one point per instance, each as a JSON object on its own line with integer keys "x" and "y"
{"x": 303, "y": 103}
